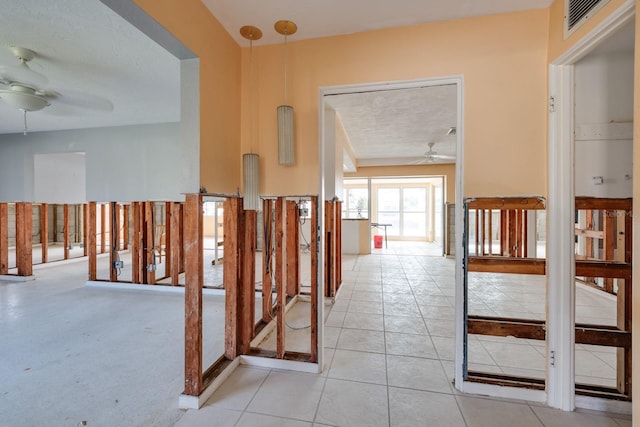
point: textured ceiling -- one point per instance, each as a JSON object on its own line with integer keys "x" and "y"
{"x": 93, "y": 59}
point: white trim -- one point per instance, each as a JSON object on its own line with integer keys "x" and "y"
{"x": 504, "y": 392}
{"x": 560, "y": 216}
{"x": 195, "y": 402}
{"x": 281, "y": 364}
{"x": 560, "y": 247}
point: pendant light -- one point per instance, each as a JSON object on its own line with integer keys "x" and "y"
{"x": 286, "y": 152}
{"x": 251, "y": 160}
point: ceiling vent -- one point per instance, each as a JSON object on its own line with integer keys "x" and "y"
{"x": 577, "y": 12}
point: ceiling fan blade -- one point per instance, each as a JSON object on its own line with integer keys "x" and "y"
{"x": 21, "y": 73}
{"x": 72, "y": 98}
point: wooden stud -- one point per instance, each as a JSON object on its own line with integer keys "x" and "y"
{"x": 248, "y": 265}
{"x": 24, "y": 249}
{"x": 91, "y": 240}
{"x": 85, "y": 216}
{"x": 624, "y": 312}
{"x": 44, "y": 232}
{"x": 65, "y": 229}
{"x": 167, "y": 238}
{"x": 609, "y": 243}
{"x": 267, "y": 261}
{"x": 149, "y": 241}
{"x": 4, "y": 238}
{"x": 330, "y": 287}
{"x": 193, "y": 295}
{"x": 231, "y": 272}
{"x": 281, "y": 296}
{"x": 174, "y": 242}
{"x": 602, "y": 335}
{"x": 103, "y": 228}
{"x": 125, "y": 227}
{"x": 135, "y": 243}
{"x": 117, "y": 224}
{"x": 525, "y": 238}
{"x": 606, "y": 269}
{"x": 504, "y": 244}
{"x": 477, "y": 241}
{"x": 181, "y": 229}
{"x": 338, "y": 239}
{"x": 615, "y": 204}
{"x": 292, "y": 251}
{"x": 490, "y": 231}
{"x": 113, "y": 271}
{"x": 313, "y": 249}
{"x": 55, "y": 223}
{"x": 512, "y": 233}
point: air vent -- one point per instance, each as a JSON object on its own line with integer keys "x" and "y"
{"x": 578, "y": 11}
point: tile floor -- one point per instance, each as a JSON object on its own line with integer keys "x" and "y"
{"x": 389, "y": 362}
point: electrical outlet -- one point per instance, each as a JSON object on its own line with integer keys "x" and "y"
{"x": 304, "y": 212}
{"x": 118, "y": 264}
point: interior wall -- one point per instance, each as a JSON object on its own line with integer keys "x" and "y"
{"x": 501, "y": 57}
{"x": 603, "y": 120}
{"x": 60, "y": 178}
{"x": 122, "y": 163}
{"x": 192, "y": 23}
{"x": 342, "y": 141}
{"x": 448, "y": 171}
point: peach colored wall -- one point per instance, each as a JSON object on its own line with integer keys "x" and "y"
{"x": 503, "y": 59}
{"x": 200, "y": 31}
{"x": 557, "y": 44}
{"x": 446, "y": 170}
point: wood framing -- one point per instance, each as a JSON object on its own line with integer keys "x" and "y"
{"x": 248, "y": 282}
{"x": 507, "y": 203}
{"x": 168, "y": 229}
{"x": 233, "y": 238}
{"x": 504, "y": 327}
{"x": 85, "y": 221}
{"x": 103, "y": 228}
{"x": 125, "y": 227}
{"x": 148, "y": 239}
{"x": 495, "y": 264}
{"x": 91, "y": 237}
{"x": 4, "y": 238}
{"x": 292, "y": 258}
{"x": 113, "y": 253}
{"x": 267, "y": 264}
{"x": 313, "y": 249}
{"x": 24, "y": 248}
{"x": 173, "y": 257}
{"x": 136, "y": 243}
{"x": 44, "y": 232}
{"x": 65, "y": 230}
{"x": 281, "y": 296}
{"x": 193, "y": 383}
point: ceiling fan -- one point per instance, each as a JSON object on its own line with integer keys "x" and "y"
{"x": 24, "y": 89}
{"x": 431, "y": 156}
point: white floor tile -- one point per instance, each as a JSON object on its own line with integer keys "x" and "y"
{"x": 254, "y": 420}
{"x": 209, "y": 416}
{"x": 361, "y": 340}
{"x": 411, "y": 408}
{"x": 480, "y": 412}
{"x": 359, "y": 366}
{"x": 239, "y": 389}
{"x": 346, "y": 403}
{"x": 556, "y": 418}
{"x": 417, "y": 373}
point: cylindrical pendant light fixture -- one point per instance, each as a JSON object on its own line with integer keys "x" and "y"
{"x": 286, "y": 143}
{"x": 251, "y": 161}
{"x": 251, "y": 181}
{"x": 286, "y": 153}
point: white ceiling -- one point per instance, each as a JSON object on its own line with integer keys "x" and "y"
{"x": 94, "y": 58}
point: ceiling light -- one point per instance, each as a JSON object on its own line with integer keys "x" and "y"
{"x": 251, "y": 161}
{"x": 286, "y": 143}
{"x": 23, "y": 98}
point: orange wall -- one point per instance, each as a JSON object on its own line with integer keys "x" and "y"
{"x": 503, "y": 59}
{"x": 446, "y": 170}
{"x": 200, "y": 31}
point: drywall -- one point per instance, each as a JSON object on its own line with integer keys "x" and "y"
{"x": 122, "y": 163}
{"x": 59, "y": 178}
{"x": 603, "y": 120}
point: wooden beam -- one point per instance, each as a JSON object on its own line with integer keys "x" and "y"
{"x": 136, "y": 266}
{"x": 4, "y": 238}
{"x": 602, "y": 336}
{"x": 292, "y": 251}
{"x": 281, "y": 295}
{"x": 117, "y": 223}
{"x": 338, "y": 240}
{"x": 313, "y": 249}
{"x": 149, "y": 237}
{"x": 193, "y": 295}
{"x": 591, "y": 234}
{"x": 24, "y": 225}
{"x": 477, "y": 233}
{"x": 505, "y": 327}
{"x": 91, "y": 240}
{"x": 607, "y": 269}
{"x": 615, "y": 204}
{"x": 173, "y": 258}
{"x": 168, "y": 229}
{"x": 507, "y": 203}
{"x": 125, "y": 227}
{"x": 267, "y": 260}
{"x": 103, "y": 228}
{"x": 624, "y": 312}
{"x": 85, "y": 216}
{"x": 44, "y": 232}
{"x": 181, "y": 228}
{"x": 248, "y": 273}
{"x": 65, "y": 229}
{"x": 513, "y": 233}
{"x": 495, "y": 264}
{"x": 232, "y": 266}
{"x": 490, "y": 231}
{"x": 608, "y": 243}
{"x": 525, "y": 239}
{"x": 504, "y": 244}
{"x": 113, "y": 252}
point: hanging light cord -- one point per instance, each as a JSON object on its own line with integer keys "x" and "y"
{"x": 286, "y": 99}
{"x": 25, "y": 121}
{"x": 250, "y": 93}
